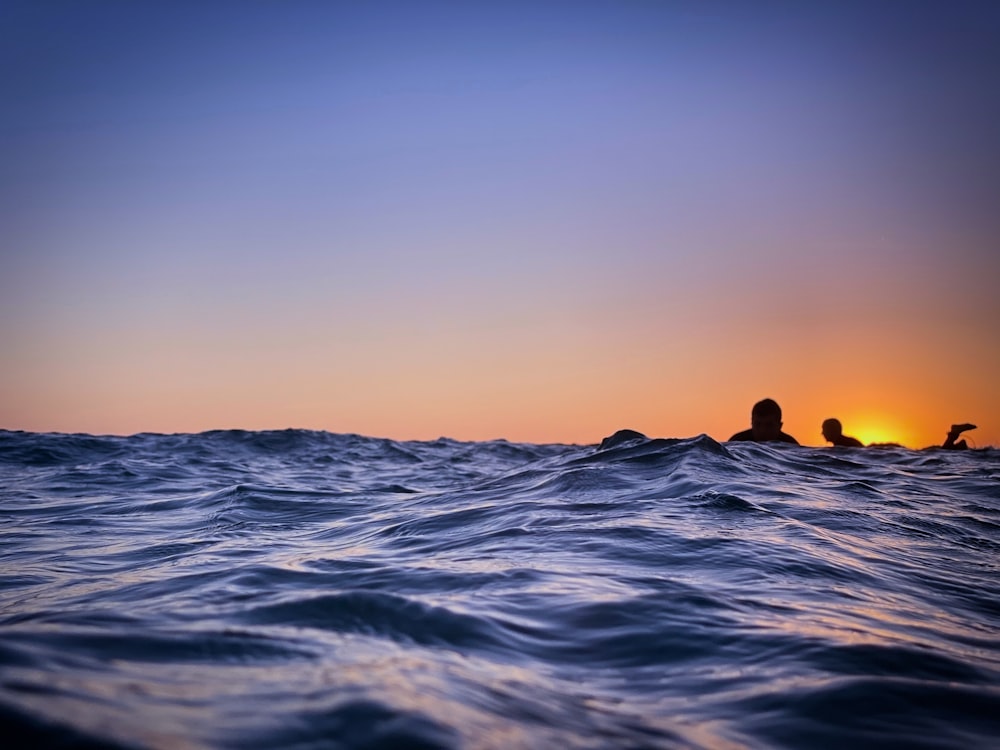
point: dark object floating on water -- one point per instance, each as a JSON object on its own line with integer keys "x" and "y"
{"x": 620, "y": 438}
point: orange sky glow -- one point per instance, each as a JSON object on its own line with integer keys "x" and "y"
{"x": 521, "y": 222}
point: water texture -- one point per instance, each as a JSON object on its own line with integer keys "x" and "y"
{"x": 299, "y": 589}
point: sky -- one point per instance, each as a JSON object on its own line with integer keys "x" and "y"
{"x": 537, "y": 221}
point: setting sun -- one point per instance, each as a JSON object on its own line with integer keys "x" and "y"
{"x": 879, "y": 430}
{"x": 529, "y": 224}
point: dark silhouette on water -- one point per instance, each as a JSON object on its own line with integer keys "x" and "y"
{"x": 833, "y": 432}
{"x": 765, "y": 420}
{"x": 765, "y": 424}
{"x": 621, "y": 437}
{"x": 953, "y": 433}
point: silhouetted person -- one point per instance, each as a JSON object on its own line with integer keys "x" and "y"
{"x": 765, "y": 424}
{"x": 954, "y": 432}
{"x": 833, "y": 432}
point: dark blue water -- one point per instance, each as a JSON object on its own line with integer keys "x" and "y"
{"x": 303, "y": 589}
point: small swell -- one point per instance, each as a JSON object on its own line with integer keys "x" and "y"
{"x": 381, "y": 615}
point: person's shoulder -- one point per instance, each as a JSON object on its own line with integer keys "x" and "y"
{"x": 744, "y": 435}
{"x": 786, "y": 438}
{"x": 853, "y": 442}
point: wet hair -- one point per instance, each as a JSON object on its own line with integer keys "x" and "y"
{"x": 766, "y": 408}
{"x": 833, "y": 425}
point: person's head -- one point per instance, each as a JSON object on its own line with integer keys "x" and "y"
{"x": 832, "y": 429}
{"x": 765, "y": 420}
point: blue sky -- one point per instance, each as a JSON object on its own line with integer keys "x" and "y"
{"x": 430, "y": 218}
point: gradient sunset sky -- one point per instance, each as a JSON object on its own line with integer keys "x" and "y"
{"x": 540, "y": 221}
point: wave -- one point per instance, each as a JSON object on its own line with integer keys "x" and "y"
{"x": 285, "y": 588}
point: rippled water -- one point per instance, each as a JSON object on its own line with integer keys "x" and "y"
{"x": 304, "y": 589}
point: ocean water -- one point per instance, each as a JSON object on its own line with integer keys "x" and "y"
{"x": 299, "y": 589}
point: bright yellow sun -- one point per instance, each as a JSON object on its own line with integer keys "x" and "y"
{"x": 876, "y": 431}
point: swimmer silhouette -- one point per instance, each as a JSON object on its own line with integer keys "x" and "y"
{"x": 954, "y": 432}
{"x": 833, "y": 432}
{"x": 765, "y": 424}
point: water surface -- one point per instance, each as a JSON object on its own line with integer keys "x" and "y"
{"x": 305, "y": 589}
